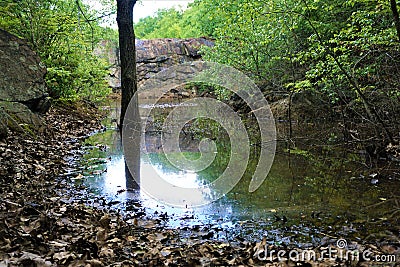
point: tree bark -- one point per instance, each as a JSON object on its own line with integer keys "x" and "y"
{"x": 127, "y": 56}
{"x": 395, "y": 17}
{"x": 127, "y": 53}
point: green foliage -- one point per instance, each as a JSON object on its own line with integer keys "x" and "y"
{"x": 358, "y": 42}
{"x": 328, "y": 47}
{"x": 58, "y": 32}
{"x": 255, "y": 37}
{"x": 323, "y": 46}
{"x": 203, "y": 88}
{"x": 286, "y": 46}
{"x": 195, "y": 21}
{"x": 163, "y": 25}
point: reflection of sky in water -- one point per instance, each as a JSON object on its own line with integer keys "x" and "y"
{"x": 113, "y": 180}
{"x": 114, "y": 177}
{"x": 112, "y": 184}
{"x": 151, "y": 172}
{"x": 180, "y": 178}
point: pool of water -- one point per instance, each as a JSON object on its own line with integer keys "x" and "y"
{"x": 317, "y": 189}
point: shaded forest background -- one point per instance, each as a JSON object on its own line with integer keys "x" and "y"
{"x": 341, "y": 56}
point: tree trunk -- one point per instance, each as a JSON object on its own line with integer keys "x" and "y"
{"x": 395, "y": 17}
{"x": 127, "y": 53}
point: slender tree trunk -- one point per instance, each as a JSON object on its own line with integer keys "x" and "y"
{"x": 395, "y": 17}
{"x": 127, "y": 53}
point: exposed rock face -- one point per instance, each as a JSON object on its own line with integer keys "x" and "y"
{"x": 153, "y": 56}
{"x": 22, "y": 85}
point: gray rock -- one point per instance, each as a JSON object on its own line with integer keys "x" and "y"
{"x": 19, "y": 118}
{"x": 21, "y": 72}
{"x": 3, "y": 124}
{"x": 153, "y": 56}
{"x": 22, "y": 87}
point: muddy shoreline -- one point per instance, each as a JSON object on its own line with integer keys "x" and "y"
{"x": 46, "y": 221}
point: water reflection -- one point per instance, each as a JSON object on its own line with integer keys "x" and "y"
{"x": 108, "y": 179}
{"x": 300, "y": 185}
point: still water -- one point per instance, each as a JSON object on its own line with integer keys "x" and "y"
{"x": 317, "y": 188}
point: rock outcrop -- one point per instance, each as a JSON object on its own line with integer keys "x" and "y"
{"x": 153, "y": 56}
{"x": 22, "y": 88}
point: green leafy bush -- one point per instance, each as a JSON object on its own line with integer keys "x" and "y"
{"x": 64, "y": 40}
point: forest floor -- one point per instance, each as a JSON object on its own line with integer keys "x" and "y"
{"x": 46, "y": 221}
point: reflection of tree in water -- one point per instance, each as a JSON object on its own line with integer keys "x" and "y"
{"x": 189, "y": 139}
{"x": 321, "y": 180}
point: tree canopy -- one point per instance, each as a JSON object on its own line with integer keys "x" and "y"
{"x": 345, "y": 52}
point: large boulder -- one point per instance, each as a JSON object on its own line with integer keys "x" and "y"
{"x": 22, "y": 86}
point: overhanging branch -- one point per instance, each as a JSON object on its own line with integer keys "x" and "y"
{"x": 87, "y": 20}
